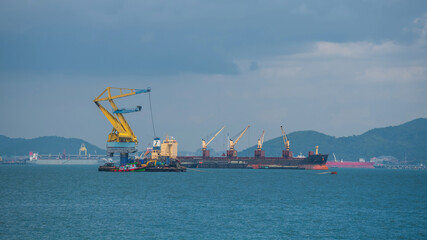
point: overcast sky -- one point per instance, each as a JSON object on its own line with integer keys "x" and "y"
{"x": 337, "y": 67}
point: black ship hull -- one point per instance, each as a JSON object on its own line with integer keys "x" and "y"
{"x": 313, "y": 161}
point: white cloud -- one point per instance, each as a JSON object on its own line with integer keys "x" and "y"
{"x": 349, "y": 50}
{"x": 353, "y": 61}
{"x": 397, "y": 74}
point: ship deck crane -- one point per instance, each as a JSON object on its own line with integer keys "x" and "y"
{"x": 232, "y": 152}
{"x": 261, "y": 141}
{"x": 121, "y": 139}
{"x": 286, "y": 153}
{"x": 259, "y": 152}
{"x": 206, "y": 152}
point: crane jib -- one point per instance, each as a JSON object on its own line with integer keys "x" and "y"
{"x": 138, "y": 91}
{"x": 128, "y": 110}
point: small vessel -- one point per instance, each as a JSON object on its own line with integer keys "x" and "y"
{"x": 130, "y": 167}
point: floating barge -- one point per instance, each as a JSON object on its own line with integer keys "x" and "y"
{"x": 141, "y": 167}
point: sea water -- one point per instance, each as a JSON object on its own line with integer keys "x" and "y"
{"x": 78, "y": 202}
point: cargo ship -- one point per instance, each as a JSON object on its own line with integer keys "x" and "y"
{"x": 343, "y": 164}
{"x": 314, "y": 161}
{"x": 62, "y": 159}
{"x": 287, "y": 161}
{"x": 66, "y": 159}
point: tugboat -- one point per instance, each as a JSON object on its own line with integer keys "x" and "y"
{"x": 173, "y": 166}
{"x": 132, "y": 167}
{"x": 129, "y": 167}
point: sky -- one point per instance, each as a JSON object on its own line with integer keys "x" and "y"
{"x": 336, "y": 67}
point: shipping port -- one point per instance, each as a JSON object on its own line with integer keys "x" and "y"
{"x": 164, "y": 156}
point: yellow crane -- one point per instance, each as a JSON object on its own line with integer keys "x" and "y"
{"x": 232, "y": 152}
{"x": 82, "y": 149}
{"x": 206, "y": 152}
{"x": 286, "y": 153}
{"x": 260, "y": 141}
{"x": 121, "y": 139}
{"x": 285, "y": 139}
{"x": 259, "y": 152}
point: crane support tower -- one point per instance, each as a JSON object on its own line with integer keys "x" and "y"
{"x": 259, "y": 153}
{"x": 121, "y": 139}
{"x": 232, "y": 153}
{"x": 205, "y": 151}
{"x": 286, "y": 153}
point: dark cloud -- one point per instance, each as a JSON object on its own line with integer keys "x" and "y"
{"x": 169, "y": 37}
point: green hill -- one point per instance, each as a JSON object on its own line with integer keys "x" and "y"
{"x": 44, "y": 145}
{"x": 409, "y": 138}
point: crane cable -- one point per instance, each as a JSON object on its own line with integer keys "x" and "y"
{"x": 151, "y": 111}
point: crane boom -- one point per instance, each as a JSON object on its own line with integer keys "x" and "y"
{"x": 205, "y": 145}
{"x": 147, "y": 152}
{"x": 285, "y": 139}
{"x": 121, "y": 95}
{"x": 117, "y": 125}
{"x": 261, "y": 141}
{"x": 233, "y": 143}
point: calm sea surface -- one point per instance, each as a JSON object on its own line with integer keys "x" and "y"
{"x": 78, "y": 202}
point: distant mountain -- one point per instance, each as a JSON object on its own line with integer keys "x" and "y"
{"x": 407, "y": 140}
{"x": 44, "y": 145}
